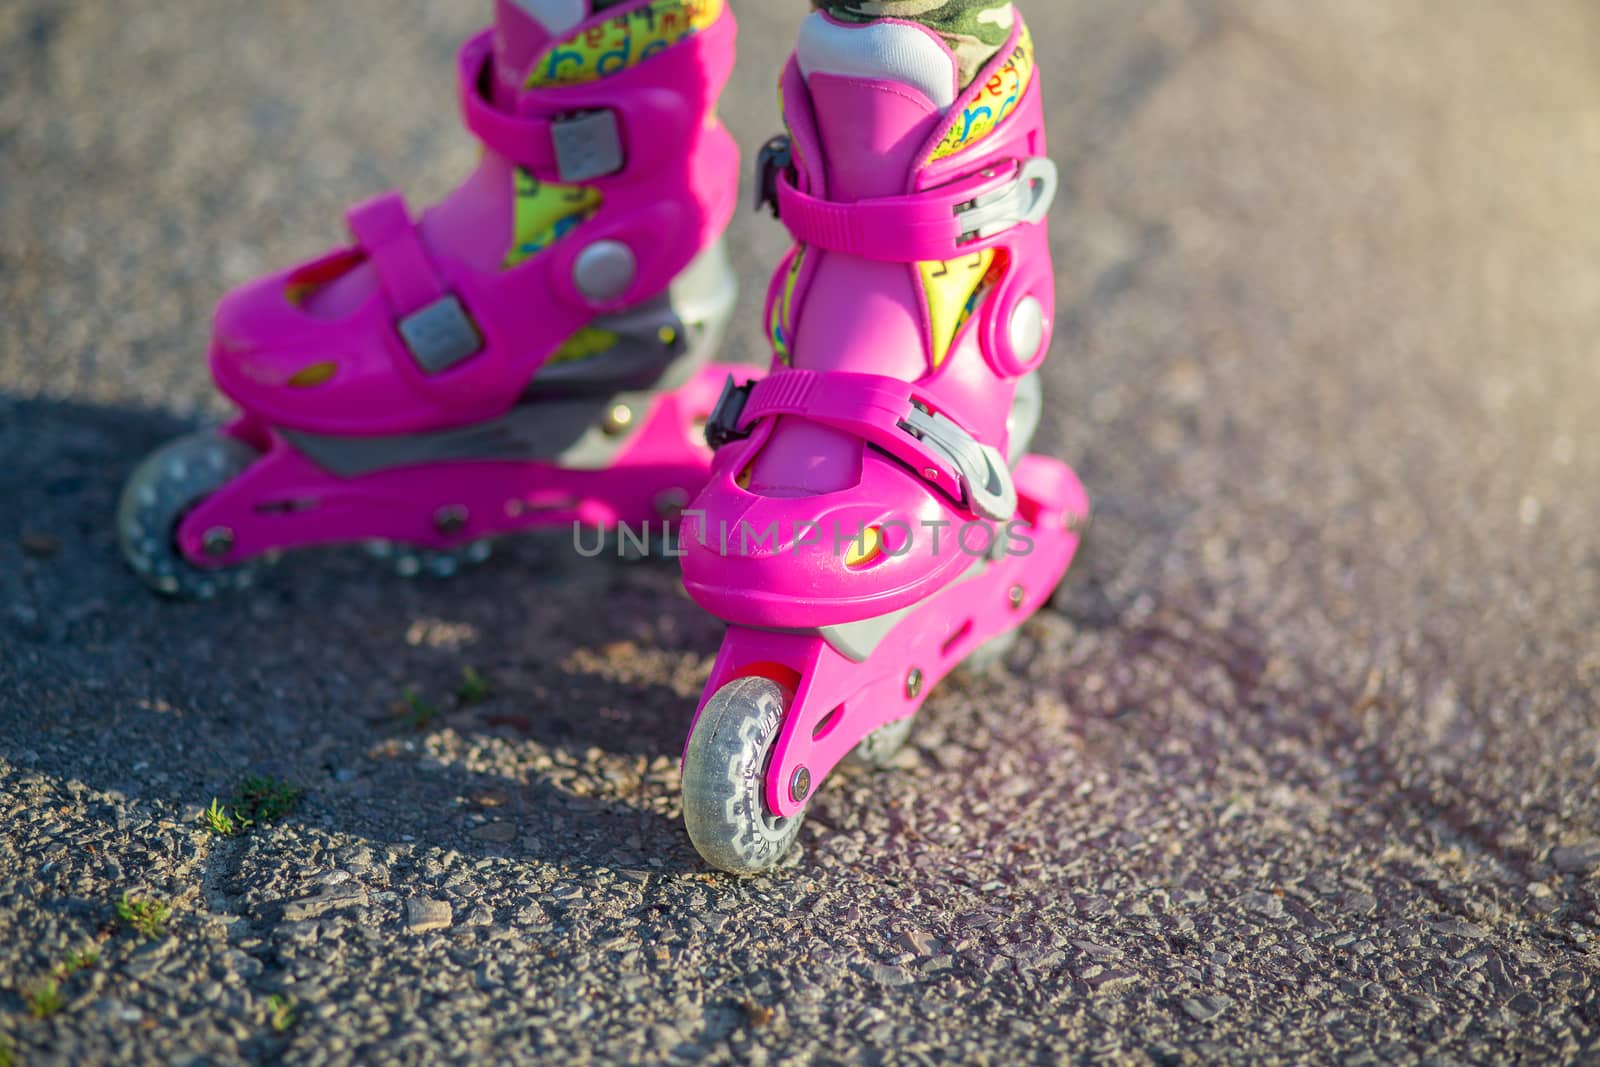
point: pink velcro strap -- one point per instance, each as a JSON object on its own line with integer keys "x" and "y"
{"x": 385, "y": 232}
{"x": 873, "y": 407}
{"x": 526, "y": 141}
{"x": 556, "y": 141}
{"x": 936, "y": 224}
{"x": 859, "y": 400}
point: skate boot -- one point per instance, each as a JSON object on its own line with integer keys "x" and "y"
{"x": 872, "y": 519}
{"x": 531, "y": 352}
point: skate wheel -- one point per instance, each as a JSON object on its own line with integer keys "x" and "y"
{"x": 882, "y": 745}
{"x": 724, "y": 779}
{"x": 409, "y": 562}
{"x": 165, "y": 487}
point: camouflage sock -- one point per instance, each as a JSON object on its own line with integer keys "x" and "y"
{"x": 974, "y": 29}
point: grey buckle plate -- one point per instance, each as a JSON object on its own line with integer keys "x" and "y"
{"x": 588, "y": 145}
{"x": 1027, "y": 199}
{"x": 441, "y": 335}
{"x": 981, "y": 469}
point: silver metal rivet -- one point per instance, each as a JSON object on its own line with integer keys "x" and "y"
{"x": 218, "y": 541}
{"x": 618, "y": 419}
{"x": 914, "y": 683}
{"x": 451, "y": 519}
{"x": 1016, "y": 596}
{"x": 800, "y": 784}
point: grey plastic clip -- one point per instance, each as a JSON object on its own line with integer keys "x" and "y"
{"x": 1026, "y": 199}
{"x": 588, "y": 145}
{"x": 981, "y": 469}
{"x": 440, "y": 335}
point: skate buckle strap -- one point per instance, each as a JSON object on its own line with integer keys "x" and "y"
{"x": 571, "y": 148}
{"x": 943, "y": 223}
{"x": 884, "y": 412}
{"x": 575, "y": 147}
{"x": 432, "y": 323}
{"x": 441, "y": 335}
{"x": 388, "y": 238}
{"x": 588, "y": 145}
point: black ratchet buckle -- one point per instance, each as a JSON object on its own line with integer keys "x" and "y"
{"x": 776, "y": 158}
{"x": 722, "y": 427}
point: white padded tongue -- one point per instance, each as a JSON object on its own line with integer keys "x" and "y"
{"x": 891, "y": 51}
{"x": 559, "y": 16}
{"x": 556, "y": 16}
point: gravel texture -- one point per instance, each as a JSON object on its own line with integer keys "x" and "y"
{"x": 1304, "y": 770}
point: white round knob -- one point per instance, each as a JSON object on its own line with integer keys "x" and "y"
{"x": 605, "y": 270}
{"x": 1027, "y": 329}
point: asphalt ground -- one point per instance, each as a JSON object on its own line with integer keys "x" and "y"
{"x": 1304, "y": 770}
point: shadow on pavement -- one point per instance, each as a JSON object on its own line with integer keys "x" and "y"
{"x": 340, "y": 676}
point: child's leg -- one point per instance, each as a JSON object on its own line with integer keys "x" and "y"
{"x": 422, "y": 385}
{"x": 974, "y": 29}
{"x": 908, "y": 320}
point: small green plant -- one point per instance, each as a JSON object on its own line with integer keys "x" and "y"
{"x": 263, "y": 800}
{"x": 420, "y": 713}
{"x": 218, "y": 821}
{"x": 280, "y": 1012}
{"x": 73, "y": 962}
{"x": 147, "y": 918}
{"x": 44, "y": 998}
{"x": 474, "y": 688}
{"x": 259, "y": 800}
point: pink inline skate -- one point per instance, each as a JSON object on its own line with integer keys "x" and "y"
{"x": 872, "y": 520}
{"x": 531, "y": 352}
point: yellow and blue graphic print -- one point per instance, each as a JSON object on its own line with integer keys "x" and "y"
{"x": 587, "y": 342}
{"x": 545, "y": 213}
{"x": 956, "y": 288}
{"x": 953, "y": 290}
{"x": 782, "y": 325}
{"x": 998, "y": 98}
{"x": 623, "y": 42}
